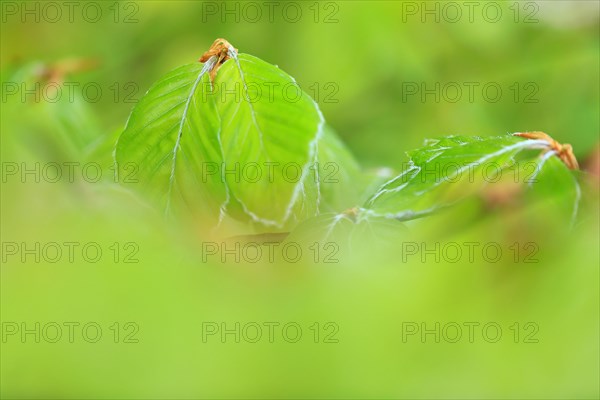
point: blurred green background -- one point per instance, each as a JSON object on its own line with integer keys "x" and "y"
{"x": 363, "y": 55}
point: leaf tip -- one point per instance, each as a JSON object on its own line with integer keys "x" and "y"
{"x": 563, "y": 151}
{"x": 222, "y": 50}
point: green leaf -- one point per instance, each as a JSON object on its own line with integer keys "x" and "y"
{"x": 56, "y": 124}
{"x": 270, "y": 125}
{"x": 241, "y": 146}
{"x": 449, "y": 170}
{"x": 169, "y": 136}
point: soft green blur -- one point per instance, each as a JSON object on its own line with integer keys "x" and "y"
{"x": 368, "y": 57}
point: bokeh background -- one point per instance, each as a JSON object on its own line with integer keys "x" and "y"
{"x": 357, "y": 58}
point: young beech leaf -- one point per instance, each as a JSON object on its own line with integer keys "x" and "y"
{"x": 171, "y": 136}
{"x": 60, "y": 127}
{"x": 271, "y": 129}
{"x": 450, "y": 169}
{"x": 241, "y": 145}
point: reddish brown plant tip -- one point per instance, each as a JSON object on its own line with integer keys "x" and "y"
{"x": 563, "y": 151}
{"x": 56, "y": 73}
{"x": 220, "y": 49}
{"x": 351, "y": 213}
{"x": 52, "y": 76}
